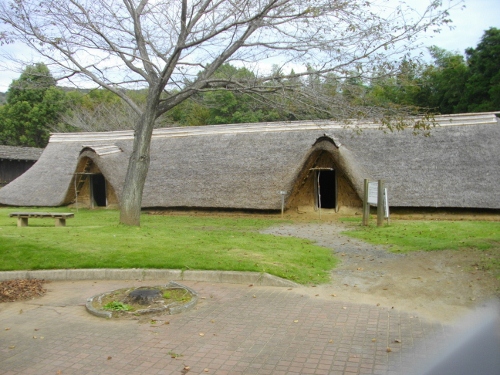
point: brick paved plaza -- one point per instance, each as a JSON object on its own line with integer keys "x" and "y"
{"x": 235, "y": 329}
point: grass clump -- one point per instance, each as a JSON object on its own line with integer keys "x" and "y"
{"x": 174, "y": 354}
{"x": 177, "y": 295}
{"x": 117, "y": 306}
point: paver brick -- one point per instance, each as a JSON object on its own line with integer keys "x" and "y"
{"x": 280, "y": 331}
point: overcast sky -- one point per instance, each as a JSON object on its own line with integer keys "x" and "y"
{"x": 469, "y": 25}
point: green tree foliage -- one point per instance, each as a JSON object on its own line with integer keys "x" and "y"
{"x": 450, "y": 84}
{"x": 442, "y": 84}
{"x": 93, "y": 98}
{"x": 225, "y": 105}
{"x": 188, "y": 113}
{"x": 482, "y": 91}
{"x": 99, "y": 110}
{"x": 32, "y": 109}
{"x": 234, "y": 106}
{"x": 398, "y": 89}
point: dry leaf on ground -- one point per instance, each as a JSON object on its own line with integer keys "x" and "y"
{"x": 21, "y": 289}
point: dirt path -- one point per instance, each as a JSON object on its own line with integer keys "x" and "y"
{"x": 440, "y": 285}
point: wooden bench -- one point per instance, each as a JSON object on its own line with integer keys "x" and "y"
{"x": 60, "y": 217}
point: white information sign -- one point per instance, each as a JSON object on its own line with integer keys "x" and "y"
{"x": 386, "y": 203}
{"x": 372, "y": 193}
{"x": 372, "y": 199}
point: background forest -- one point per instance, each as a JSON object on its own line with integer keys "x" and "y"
{"x": 34, "y": 105}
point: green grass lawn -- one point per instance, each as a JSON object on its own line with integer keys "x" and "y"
{"x": 410, "y": 235}
{"x": 94, "y": 239}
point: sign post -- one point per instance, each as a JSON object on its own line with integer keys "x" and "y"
{"x": 380, "y": 203}
{"x": 386, "y": 204}
{"x": 375, "y": 194}
{"x": 282, "y": 193}
{"x": 366, "y": 205}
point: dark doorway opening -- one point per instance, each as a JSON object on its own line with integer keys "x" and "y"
{"x": 327, "y": 189}
{"x": 99, "y": 190}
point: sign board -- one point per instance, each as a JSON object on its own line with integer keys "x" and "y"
{"x": 282, "y": 193}
{"x": 370, "y": 198}
{"x": 386, "y": 204}
{"x": 372, "y": 193}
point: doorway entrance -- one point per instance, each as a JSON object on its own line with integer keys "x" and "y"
{"x": 98, "y": 190}
{"x": 325, "y": 187}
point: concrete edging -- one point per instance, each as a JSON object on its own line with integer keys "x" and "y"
{"x": 172, "y": 308}
{"x": 231, "y": 277}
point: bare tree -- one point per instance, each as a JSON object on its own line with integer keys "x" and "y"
{"x": 101, "y": 117}
{"x": 173, "y": 48}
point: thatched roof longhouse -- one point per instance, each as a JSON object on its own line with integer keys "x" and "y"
{"x": 245, "y": 166}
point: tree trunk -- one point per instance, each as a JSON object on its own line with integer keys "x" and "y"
{"x": 138, "y": 166}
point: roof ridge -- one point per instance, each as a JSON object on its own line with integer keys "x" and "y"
{"x": 228, "y": 129}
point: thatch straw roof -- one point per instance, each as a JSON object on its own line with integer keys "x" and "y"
{"x": 246, "y": 165}
{"x": 20, "y": 153}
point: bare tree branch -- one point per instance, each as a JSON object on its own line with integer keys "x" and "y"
{"x": 174, "y": 48}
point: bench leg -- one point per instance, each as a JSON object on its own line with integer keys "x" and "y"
{"x": 60, "y": 222}
{"x": 22, "y": 221}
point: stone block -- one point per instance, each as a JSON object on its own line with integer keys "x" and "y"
{"x": 87, "y": 274}
{"x": 208, "y": 276}
{"x": 125, "y": 274}
{"x": 11, "y": 275}
{"x": 237, "y": 277}
{"x": 158, "y": 274}
{"x": 271, "y": 280}
{"x": 47, "y": 274}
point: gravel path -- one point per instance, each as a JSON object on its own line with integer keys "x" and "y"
{"x": 330, "y": 235}
{"x": 441, "y": 285}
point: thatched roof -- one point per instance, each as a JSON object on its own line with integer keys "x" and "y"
{"x": 457, "y": 166}
{"x": 20, "y": 153}
{"x": 246, "y": 165}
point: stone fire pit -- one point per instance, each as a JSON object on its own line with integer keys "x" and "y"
{"x": 172, "y": 298}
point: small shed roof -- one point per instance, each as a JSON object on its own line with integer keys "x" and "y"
{"x": 20, "y": 153}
